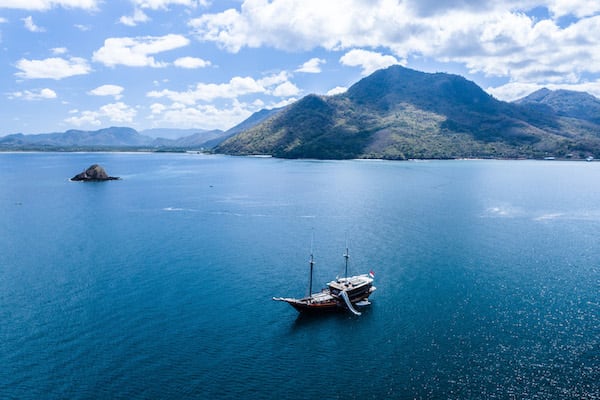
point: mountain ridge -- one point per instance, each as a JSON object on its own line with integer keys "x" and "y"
{"x": 400, "y": 113}
{"x": 395, "y": 113}
{"x": 106, "y": 139}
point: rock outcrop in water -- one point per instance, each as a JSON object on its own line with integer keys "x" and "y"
{"x": 94, "y": 173}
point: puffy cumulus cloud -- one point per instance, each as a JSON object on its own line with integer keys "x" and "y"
{"x": 494, "y": 38}
{"x": 369, "y": 61}
{"x": 276, "y": 85}
{"x": 31, "y": 26}
{"x": 578, "y": 8}
{"x": 137, "y": 51}
{"x": 41, "y": 94}
{"x": 52, "y": 68}
{"x": 286, "y": 89}
{"x": 312, "y": 66}
{"x": 296, "y": 24}
{"x": 164, "y": 4}
{"x": 108, "y": 90}
{"x": 157, "y": 108}
{"x": 57, "y": 51}
{"x": 138, "y": 17}
{"x": 118, "y": 112}
{"x": 85, "y": 118}
{"x": 114, "y": 112}
{"x": 275, "y": 79}
{"x": 282, "y": 103}
{"x": 337, "y": 90}
{"x": 43, "y": 5}
{"x": 518, "y": 47}
{"x": 191, "y": 63}
{"x": 220, "y": 105}
{"x": 208, "y": 116}
{"x": 237, "y": 86}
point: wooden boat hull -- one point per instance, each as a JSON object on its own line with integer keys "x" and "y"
{"x": 316, "y": 308}
{"x": 325, "y": 302}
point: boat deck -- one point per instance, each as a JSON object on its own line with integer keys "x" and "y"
{"x": 347, "y": 284}
{"x": 322, "y": 297}
{"x": 316, "y": 298}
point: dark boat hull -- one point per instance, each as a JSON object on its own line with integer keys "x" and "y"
{"x": 325, "y": 302}
{"x": 313, "y": 308}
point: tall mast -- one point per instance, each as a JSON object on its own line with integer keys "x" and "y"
{"x": 312, "y": 263}
{"x": 346, "y": 256}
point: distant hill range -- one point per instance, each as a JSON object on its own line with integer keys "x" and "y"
{"x": 113, "y": 138}
{"x": 395, "y": 113}
{"x": 399, "y": 113}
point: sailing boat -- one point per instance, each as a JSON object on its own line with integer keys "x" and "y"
{"x": 340, "y": 294}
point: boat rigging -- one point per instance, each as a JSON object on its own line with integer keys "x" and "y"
{"x": 345, "y": 293}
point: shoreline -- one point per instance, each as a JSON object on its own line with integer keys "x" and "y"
{"x": 268, "y": 156}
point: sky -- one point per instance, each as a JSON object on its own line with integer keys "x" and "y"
{"x": 210, "y": 64}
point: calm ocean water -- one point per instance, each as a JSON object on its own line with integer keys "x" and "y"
{"x": 159, "y": 285}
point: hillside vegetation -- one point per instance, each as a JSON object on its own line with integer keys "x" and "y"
{"x": 399, "y": 113}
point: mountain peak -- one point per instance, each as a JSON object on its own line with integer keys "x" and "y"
{"x": 429, "y": 91}
{"x": 401, "y": 113}
{"x": 566, "y": 103}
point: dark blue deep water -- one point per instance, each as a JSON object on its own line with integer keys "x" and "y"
{"x": 159, "y": 285}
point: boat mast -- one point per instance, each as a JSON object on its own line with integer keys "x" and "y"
{"x": 312, "y": 263}
{"x": 346, "y": 256}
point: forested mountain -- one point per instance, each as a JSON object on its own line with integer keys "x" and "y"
{"x": 399, "y": 113}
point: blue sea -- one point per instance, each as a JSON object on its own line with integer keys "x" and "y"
{"x": 159, "y": 285}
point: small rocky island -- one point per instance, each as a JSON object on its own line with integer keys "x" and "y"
{"x": 94, "y": 173}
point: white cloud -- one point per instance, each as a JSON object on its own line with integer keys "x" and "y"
{"x": 518, "y": 47}
{"x": 369, "y": 61}
{"x": 82, "y": 28}
{"x": 306, "y": 24}
{"x": 138, "y": 51}
{"x": 157, "y": 108}
{"x": 31, "y": 26}
{"x": 138, "y": 17}
{"x": 52, "y": 68}
{"x": 282, "y": 103}
{"x": 578, "y": 8}
{"x": 3, "y": 20}
{"x": 236, "y": 87}
{"x": 114, "y": 112}
{"x": 286, "y": 89}
{"x": 164, "y": 4}
{"x": 43, "y": 5}
{"x": 191, "y": 63}
{"x": 494, "y": 38}
{"x": 189, "y": 108}
{"x": 337, "y": 90}
{"x": 59, "y": 50}
{"x": 108, "y": 90}
{"x": 89, "y": 118}
{"x": 312, "y": 66}
{"x": 42, "y": 94}
{"x": 206, "y": 116}
{"x": 118, "y": 112}
{"x": 276, "y": 79}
